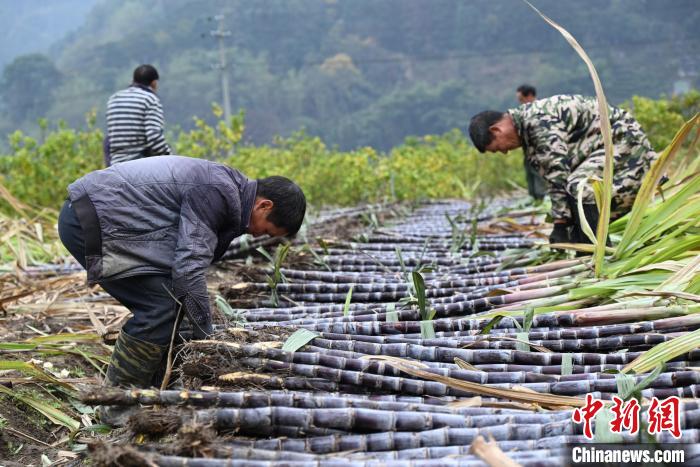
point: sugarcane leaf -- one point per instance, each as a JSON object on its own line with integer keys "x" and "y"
{"x": 527, "y": 318}
{"x": 625, "y": 384}
{"x": 298, "y": 339}
{"x": 348, "y": 298}
{"x": 662, "y": 353}
{"x": 601, "y": 429}
{"x": 567, "y": 364}
{"x": 491, "y": 324}
{"x": 48, "y": 411}
{"x": 651, "y": 179}
{"x": 16, "y": 346}
{"x": 682, "y": 278}
{"x": 399, "y": 256}
{"x": 391, "y": 315}
{"x": 606, "y": 133}
{"x": 465, "y": 365}
{"x": 66, "y": 337}
{"x": 427, "y": 331}
{"x": 636, "y": 389}
{"x": 545, "y": 400}
{"x": 522, "y": 341}
{"x": 264, "y": 252}
{"x": 36, "y": 372}
{"x": 419, "y": 287}
{"x": 585, "y": 227}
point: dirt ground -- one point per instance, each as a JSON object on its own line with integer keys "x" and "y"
{"x": 52, "y": 307}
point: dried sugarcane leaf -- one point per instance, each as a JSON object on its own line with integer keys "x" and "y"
{"x": 545, "y": 400}
{"x": 525, "y": 342}
{"x": 397, "y": 360}
{"x": 298, "y": 339}
{"x": 490, "y": 453}
{"x": 463, "y": 364}
{"x": 475, "y": 401}
{"x": 606, "y": 133}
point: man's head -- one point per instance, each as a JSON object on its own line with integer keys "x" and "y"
{"x": 526, "y": 93}
{"x": 146, "y": 75}
{"x": 494, "y": 131}
{"x": 279, "y": 208}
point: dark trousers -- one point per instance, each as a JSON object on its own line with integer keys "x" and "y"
{"x": 147, "y": 296}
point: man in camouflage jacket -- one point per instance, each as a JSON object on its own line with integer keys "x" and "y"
{"x": 561, "y": 138}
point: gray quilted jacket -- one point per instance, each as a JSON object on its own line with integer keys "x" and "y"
{"x": 162, "y": 215}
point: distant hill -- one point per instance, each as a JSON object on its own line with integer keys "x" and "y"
{"x": 370, "y": 72}
{"x": 33, "y": 25}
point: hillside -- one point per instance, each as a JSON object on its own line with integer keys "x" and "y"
{"x": 364, "y": 72}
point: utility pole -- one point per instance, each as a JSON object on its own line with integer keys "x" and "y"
{"x": 220, "y": 33}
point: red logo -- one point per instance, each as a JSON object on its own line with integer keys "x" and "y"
{"x": 586, "y": 413}
{"x": 664, "y": 416}
{"x": 626, "y": 416}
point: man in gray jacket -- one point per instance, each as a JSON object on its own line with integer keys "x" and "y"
{"x": 148, "y": 229}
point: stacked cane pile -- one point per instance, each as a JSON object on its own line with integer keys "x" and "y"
{"x": 411, "y": 342}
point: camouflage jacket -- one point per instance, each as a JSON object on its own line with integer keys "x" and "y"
{"x": 560, "y": 132}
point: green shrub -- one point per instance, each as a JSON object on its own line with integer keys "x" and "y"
{"x": 37, "y": 172}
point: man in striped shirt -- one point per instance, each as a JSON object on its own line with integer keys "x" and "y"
{"x": 135, "y": 120}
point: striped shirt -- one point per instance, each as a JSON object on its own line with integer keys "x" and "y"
{"x": 135, "y": 125}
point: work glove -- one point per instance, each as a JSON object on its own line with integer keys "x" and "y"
{"x": 199, "y": 318}
{"x": 560, "y": 233}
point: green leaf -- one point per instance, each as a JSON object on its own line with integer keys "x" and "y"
{"x": 427, "y": 331}
{"x": 636, "y": 390}
{"x": 264, "y": 252}
{"x": 298, "y": 339}
{"x": 419, "y": 287}
{"x": 48, "y": 411}
{"x": 66, "y": 337}
{"x": 348, "y": 297}
{"x": 651, "y": 179}
{"x": 662, "y": 353}
{"x": 625, "y": 384}
{"x": 567, "y": 364}
{"x": 601, "y": 430}
{"x": 528, "y": 316}
{"x": 521, "y": 343}
{"x": 392, "y": 315}
{"x": 491, "y": 324}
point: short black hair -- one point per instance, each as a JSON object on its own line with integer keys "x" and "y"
{"x": 527, "y": 90}
{"x": 289, "y": 202}
{"x": 479, "y": 128}
{"x": 145, "y": 74}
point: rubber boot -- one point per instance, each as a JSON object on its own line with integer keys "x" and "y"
{"x": 133, "y": 364}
